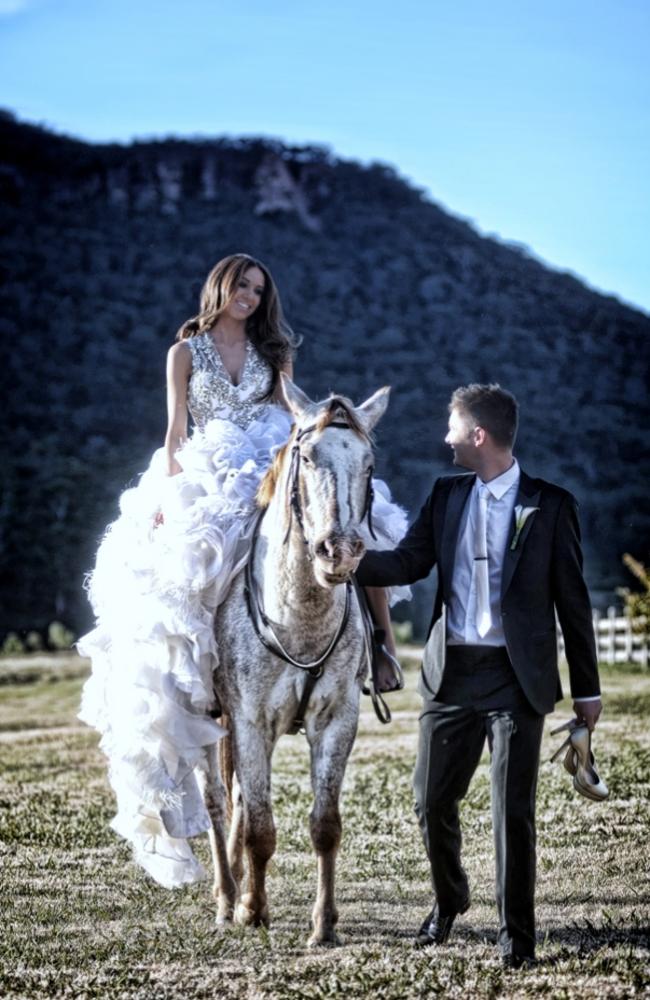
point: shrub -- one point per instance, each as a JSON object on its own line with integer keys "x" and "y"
{"x": 58, "y": 636}
{"x": 12, "y": 645}
{"x": 637, "y": 602}
{"x": 403, "y": 631}
{"x": 34, "y": 641}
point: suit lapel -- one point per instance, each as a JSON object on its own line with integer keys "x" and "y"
{"x": 527, "y": 496}
{"x": 455, "y": 504}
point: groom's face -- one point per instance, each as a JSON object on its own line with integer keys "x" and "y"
{"x": 461, "y": 437}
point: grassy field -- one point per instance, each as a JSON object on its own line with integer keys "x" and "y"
{"x": 79, "y": 920}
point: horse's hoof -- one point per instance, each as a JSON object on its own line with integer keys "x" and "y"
{"x": 330, "y": 940}
{"x": 223, "y": 922}
{"x": 246, "y": 916}
{"x": 225, "y": 909}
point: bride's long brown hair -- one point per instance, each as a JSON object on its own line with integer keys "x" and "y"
{"x": 267, "y": 328}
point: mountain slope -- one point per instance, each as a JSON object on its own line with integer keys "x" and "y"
{"x": 104, "y": 250}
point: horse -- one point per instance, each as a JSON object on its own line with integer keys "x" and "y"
{"x": 293, "y": 652}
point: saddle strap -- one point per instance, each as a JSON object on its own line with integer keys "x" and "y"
{"x": 298, "y": 723}
{"x": 382, "y": 711}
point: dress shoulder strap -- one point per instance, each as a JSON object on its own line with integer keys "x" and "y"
{"x": 197, "y": 346}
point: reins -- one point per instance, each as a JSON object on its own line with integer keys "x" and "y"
{"x": 261, "y": 623}
{"x": 382, "y": 711}
{"x": 269, "y": 639}
{"x": 264, "y": 629}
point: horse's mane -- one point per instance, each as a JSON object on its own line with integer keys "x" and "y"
{"x": 266, "y": 489}
{"x": 336, "y": 409}
{"x": 340, "y": 409}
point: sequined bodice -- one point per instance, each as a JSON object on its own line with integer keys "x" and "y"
{"x": 211, "y": 391}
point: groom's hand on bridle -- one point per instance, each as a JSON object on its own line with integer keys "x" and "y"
{"x": 588, "y": 712}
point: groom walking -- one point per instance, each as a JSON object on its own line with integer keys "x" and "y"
{"x": 507, "y": 549}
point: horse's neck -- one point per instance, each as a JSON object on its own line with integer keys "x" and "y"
{"x": 285, "y": 575}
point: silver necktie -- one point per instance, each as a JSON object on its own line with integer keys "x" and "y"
{"x": 482, "y": 574}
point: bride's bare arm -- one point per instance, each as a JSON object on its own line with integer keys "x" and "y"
{"x": 179, "y": 367}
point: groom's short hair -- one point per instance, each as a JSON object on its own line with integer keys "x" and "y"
{"x": 489, "y": 406}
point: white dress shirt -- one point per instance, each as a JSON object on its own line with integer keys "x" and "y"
{"x": 461, "y": 613}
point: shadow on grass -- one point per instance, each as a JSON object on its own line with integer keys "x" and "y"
{"x": 564, "y": 902}
{"x": 633, "y": 931}
{"x": 579, "y": 937}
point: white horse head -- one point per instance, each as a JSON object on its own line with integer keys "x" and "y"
{"x": 327, "y": 482}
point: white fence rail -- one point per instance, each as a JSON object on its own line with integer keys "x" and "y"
{"x": 616, "y": 639}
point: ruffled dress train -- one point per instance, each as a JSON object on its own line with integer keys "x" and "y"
{"x": 155, "y": 590}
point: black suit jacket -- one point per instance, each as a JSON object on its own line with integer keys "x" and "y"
{"x": 542, "y": 574}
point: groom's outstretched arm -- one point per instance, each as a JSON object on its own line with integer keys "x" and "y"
{"x": 412, "y": 560}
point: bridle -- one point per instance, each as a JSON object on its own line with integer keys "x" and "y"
{"x": 295, "y": 506}
{"x": 261, "y": 623}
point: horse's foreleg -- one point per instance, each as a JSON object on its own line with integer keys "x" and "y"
{"x": 329, "y": 754}
{"x": 253, "y": 757}
{"x": 215, "y": 797}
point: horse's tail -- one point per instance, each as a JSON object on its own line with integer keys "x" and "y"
{"x": 227, "y": 763}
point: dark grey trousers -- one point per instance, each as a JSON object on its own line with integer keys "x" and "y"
{"x": 480, "y": 698}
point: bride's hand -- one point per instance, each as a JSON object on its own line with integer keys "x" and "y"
{"x": 159, "y": 518}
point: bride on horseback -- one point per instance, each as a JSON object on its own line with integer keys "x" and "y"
{"x": 166, "y": 563}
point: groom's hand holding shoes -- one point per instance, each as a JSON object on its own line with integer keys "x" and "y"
{"x": 588, "y": 712}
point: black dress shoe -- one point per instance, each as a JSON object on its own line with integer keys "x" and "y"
{"x": 513, "y": 961}
{"x": 436, "y": 927}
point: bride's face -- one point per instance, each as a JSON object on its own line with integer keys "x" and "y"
{"x": 247, "y": 295}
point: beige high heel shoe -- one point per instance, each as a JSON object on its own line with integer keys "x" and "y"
{"x": 579, "y": 761}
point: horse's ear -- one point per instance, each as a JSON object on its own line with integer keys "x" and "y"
{"x": 373, "y": 409}
{"x": 296, "y": 400}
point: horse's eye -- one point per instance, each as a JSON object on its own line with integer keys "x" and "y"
{"x": 307, "y": 460}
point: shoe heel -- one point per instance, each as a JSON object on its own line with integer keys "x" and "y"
{"x": 566, "y": 726}
{"x": 560, "y": 749}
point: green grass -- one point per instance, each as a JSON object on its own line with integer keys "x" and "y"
{"x": 80, "y": 920}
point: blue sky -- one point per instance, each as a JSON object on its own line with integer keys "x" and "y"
{"x": 530, "y": 119}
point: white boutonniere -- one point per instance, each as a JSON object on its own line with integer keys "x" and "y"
{"x": 521, "y": 516}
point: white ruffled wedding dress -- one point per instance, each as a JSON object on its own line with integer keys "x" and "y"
{"x": 154, "y": 591}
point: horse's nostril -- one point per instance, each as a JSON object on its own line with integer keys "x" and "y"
{"x": 334, "y": 548}
{"x": 356, "y": 546}
{"x": 326, "y": 548}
